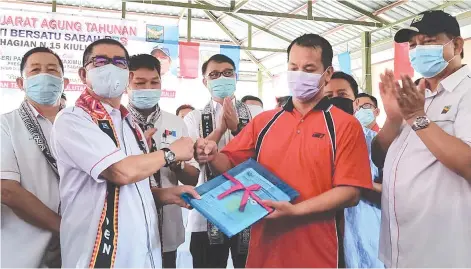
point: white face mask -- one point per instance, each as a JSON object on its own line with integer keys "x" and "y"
{"x": 108, "y": 81}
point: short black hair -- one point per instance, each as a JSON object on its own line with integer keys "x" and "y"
{"x": 144, "y": 61}
{"x": 252, "y": 98}
{"x": 315, "y": 41}
{"x": 375, "y": 101}
{"x": 349, "y": 79}
{"x": 218, "y": 58}
{"x": 36, "y": 50}
{"x": 180, "y": 108}
{"x": 105, "y": 41}
{"x": 281, "y": 101}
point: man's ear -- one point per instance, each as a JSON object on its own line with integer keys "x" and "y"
{"x": 459, "y": 45}
{"x": 66, "y": 82}
{"x": 205, "y": 82}
{"x": 83, "y": 75}
{"x": 376, "y": 112}
{"x": 20, "y": 82}
{"x": 328, "y": 74}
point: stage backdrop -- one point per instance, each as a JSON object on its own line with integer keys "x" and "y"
{"x": 69, "y": 35}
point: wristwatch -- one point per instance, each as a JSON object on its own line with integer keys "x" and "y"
{"x": 240, "y": 126}
{"x": 420, "y": 123}
{"x": 169, "y": 157}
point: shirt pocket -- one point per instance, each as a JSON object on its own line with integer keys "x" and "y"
{"x": 445, "y": 120}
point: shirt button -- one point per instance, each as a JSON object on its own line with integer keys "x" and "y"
{"x": 299, "y": 131}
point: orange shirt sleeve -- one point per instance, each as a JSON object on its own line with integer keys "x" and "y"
{"x": 242, "y": 147}
{"x": 352, "y": 163}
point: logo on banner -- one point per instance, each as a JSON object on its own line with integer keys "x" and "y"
{"x": 155, "y": 33}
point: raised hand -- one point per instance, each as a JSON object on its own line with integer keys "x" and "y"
{"x": 410, "y": 98}
{"x": 230, "y": 114}
{"x": 183, "y": 149}
{"x": 205, "y": 150}
{"x": 387, "y": 89}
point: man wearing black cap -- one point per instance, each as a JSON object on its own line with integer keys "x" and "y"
{"x": 425, "y": 149}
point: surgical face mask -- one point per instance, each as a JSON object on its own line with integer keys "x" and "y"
{"x": 44, "y": 89}
{"x": 365, "y": 116}
{"x": 222, "y": 87}
{"x": 144, "y": 99}
{"x": 304, "y": 86}
{"x": 428, "y": 60}
{"x": 108, "y": 81}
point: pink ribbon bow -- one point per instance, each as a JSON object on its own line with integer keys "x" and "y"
{"x": 248, "y": 192}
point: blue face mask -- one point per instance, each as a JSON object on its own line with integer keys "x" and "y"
{"x": 44, "y": 89}
{"x": 144, "y": 99}
{"x": 428, "y": 60}
{"x": 365, "y": 116}
{"x": 222, "y": 87}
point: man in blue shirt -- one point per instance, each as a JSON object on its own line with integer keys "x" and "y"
{"x": 362, "y": 222}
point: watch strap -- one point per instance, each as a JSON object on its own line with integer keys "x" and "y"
{"x": 166, "y": 150}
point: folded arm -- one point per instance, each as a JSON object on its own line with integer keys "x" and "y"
{"x": 28, "y": 207}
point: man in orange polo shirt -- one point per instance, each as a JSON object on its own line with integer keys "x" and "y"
{"x": 314, "y": 147}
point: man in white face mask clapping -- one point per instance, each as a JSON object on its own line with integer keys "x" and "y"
{"x": 105, "y": 177}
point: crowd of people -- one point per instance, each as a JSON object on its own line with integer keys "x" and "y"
{"x": 98, "y": 184}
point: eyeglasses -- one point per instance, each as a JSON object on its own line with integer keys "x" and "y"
{"x": 118, "y": 61}
{"x": 226, "y": 73}
{"x": 368, "y": 106}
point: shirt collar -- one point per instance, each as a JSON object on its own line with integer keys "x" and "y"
{"x": 33, "y": 109}
{"x": 452, "y": 81}
{"x": 324, "y": 104}
{"x": 122, "y": 111}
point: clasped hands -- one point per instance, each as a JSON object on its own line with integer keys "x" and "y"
{"x": 229, "y": 119}
{"x": 404, "y": 102}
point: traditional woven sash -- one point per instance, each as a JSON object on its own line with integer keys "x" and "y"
{"x": 104, "y": 250}
{"x": 207, "y": 126}
{"x": 33, "y": 127}
{"x": 52, "y": 257}
{"x": 145, "y": 124}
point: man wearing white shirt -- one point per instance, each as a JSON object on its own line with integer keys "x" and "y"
{"x": 424, "y": 147}
{"x": 221, "y": 119}
{"x": 105, "y": 177}
{"x": 30, "y": 181}
{"x": 144, "y": 96}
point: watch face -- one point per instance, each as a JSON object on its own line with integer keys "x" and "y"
{"x": 170, "y": 156}
{"x": 422, "y": 122}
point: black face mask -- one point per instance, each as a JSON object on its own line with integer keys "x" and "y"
{"x": 343, "y": 103}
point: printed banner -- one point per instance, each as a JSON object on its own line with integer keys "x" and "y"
{"x": 402, "y": 64}
{"x": 68, "y": 36}
{"x": 193, "y": 55}
{"x": 345, "y": 62}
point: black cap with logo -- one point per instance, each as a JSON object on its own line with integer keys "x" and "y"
{"x": 429, "y": 23}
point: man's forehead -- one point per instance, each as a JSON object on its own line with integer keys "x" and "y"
{"x": 144, "y": 73}
{"x": 108, "y": 50}
{"x": 364, "y": 99}
{"x": 309, "y": 54}
{"x": 215, "y": 66}
{"x": 42, "y": 58}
